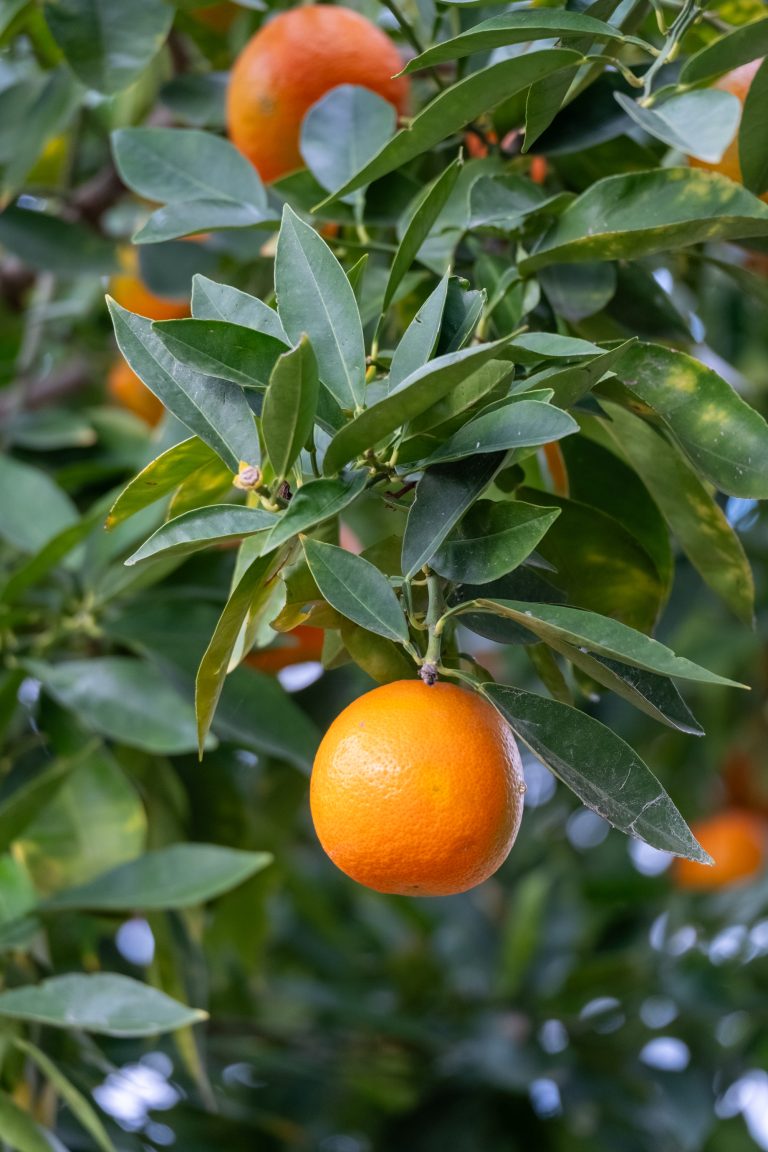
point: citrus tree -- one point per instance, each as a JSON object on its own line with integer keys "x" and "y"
{"x": 424, "y": 378}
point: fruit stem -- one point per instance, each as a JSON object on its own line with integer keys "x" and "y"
{"x": 435, "y": 607}
{"x": 691, "y": 11}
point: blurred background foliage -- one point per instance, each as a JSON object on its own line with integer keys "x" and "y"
{"x": 579, "y": 1000}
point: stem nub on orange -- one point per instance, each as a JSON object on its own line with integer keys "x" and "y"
{"x": 738, "y": 83}
{"x": 301, "y": 645}
{"x": 127, "y": 390}
{"x": 418, "y": 790}
{"x": 289, "y": 64}
{"x": 738, "y": 843}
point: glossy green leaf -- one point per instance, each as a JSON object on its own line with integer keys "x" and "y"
{"x": 695, "y": 518}
{"x": 753, "y": 134}
{"x": 190, "y": 217}
{"x": 108, "y": 44}
{"x": 18, "y": 1130}
{"x": 748, "y": 42}
{"x": 39, "y": 509}
{"x": 161, "y": 476}
{"x": 127, "y": 700}
{"x": 463, "y": 309}
{"x": 491, "y": 540}
{"x": 572, "y": 383}
{"x": 315, "y": 297}
{"x": 78, "y": 1104}
{"x": 419, "y": 340}
{"x": 701, "y": 123}
{"x": 221, "y": 349}
{"x": 212, "y": 301}
{"x": 522, "y": 583}
{"x": 414, "y": 395}
{"x": 655, "y": 695}
{"x": 456, "y": 107}
{"x": 623, "y": 217}
{"x": 214, "y": 665}
{"x": 517, "y": 28}
{"x": 215, "y": 410}
{"x": 504, "y": 202}
{"x": 254, "y": 712}
{"x": 183, "y": 164}
{"x": 180, "y": 876}
{"x": 489, "y": 379}
{"x": 290, "y": 405}
{"x": 357, "y": 589}
{"x": 444, "y": 493}
{"x": 428, "y": 207}
{"x": 604, "y": 772}
{"x": 202, "y": 526}
{"x": 314, "y": 502}
{"x": 103, "y": 1003}
{"x": 578, "y": 291}
{"x": 518, "y": 424}
{"x": 604, "y": 636}
{"x": 725, "y": 439}
{"x": 342, "y": 131}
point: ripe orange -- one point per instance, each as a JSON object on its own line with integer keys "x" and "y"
{"x": 129, "y": 290}
{"x": 539, "y": 169}
{"x": 289, "y": 64}
{"x": 558, "y": 473}
{"x": 738, "y": 83}
{"x": 418, "y": 790}
{"x": 302, "y": 644}
{"x": 130, "y": 392}
{"x": 738, "y": 843}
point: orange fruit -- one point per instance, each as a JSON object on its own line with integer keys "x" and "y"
{"x": 418, "y": 790}
{"x": 558, "y": 473}
{"x": 289, "y": 64}
{"x": 130, "y": 392}
{"x": 539, "y": 169}
{"x": 302, "y": 644}
{"x": 738, "y": 843}
{"x": 130, "y": 292}
{"x": 738, "y": 84}
{"x": 477, "y": 145}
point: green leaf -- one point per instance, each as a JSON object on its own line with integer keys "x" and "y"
{"x": 255, "y": 712}
{"x": 578, "y": 291}
{"x": 342, "y": 131}
{"x": 491, "y": 540}
{"x": 697, "y": 520}
{"x": 753, "y": 134}
{"x": 414, "y": 395}
{"x": 603, "y": 636}
{"x": 215, "y": 663}
{"x": 76, "y": 1102}
{"x": 382, "y": 660}
{"x": 180, "y": 876}
{"x": 518, "y": 28}
{"x": 182, "y": 164}
{"x": 18, "y": 1130}
{"x": 518, "y": 424}
{"x": 490, "y": 378}
{"x": 604, "y": 772}
{"x": 357, "y": 589}
{"x": 200, "y": 527}
{"x": 655, "y": 695}
{"x": 571, "y": 384}
{"x": 39, "y": 510}
{"x": 456, "y": 107}
{"x": 463, "y": 309}
{"x": 623, "y": 217}
{"x": 107, "y": 43}
{"x": 103, "y": 1003}
{"x": 725, "y": 439}
{"x": 187, "y": 218}
{"x": 52, "y": 245}
{"x": 127, "y": 700}
{"x": 19, "y": 809}
{"x": 504, "y": 202}
{"x": 700, "y": 124}
{"x": 49, "y": 556}
{"x": 31, "y": 113}
{"x": 419, "y": 340}
{"x": 315, "y": 297}
{"x": 428, "y": 207}
{"x": 221, "y": 349}
{"x": 161, "y": 476}
{"x": 749, "y": 42}
{"x": 215, "y": 410}
{"x": 314, "y": 502}
{"x": 212, "y": 301}
{"x": 444, "y": 493}
{"x": 290, "y": 405}
{"x": 599, "y": 564}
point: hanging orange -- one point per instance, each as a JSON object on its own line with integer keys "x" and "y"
{"x": 738, "y": 843}
{"x": 130, "y": 392}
